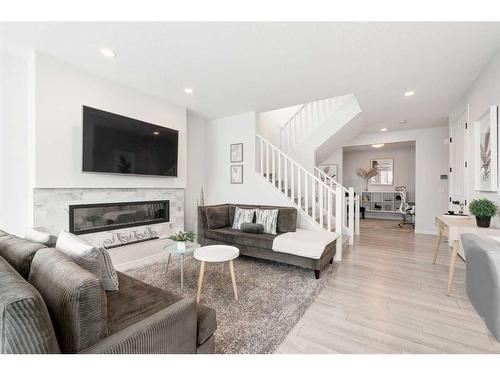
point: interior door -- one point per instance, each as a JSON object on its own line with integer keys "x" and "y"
{"x": 458, "y": 186}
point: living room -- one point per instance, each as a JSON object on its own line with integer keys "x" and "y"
{"x": 199, "y": 188}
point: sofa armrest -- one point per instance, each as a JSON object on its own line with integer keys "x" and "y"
{"x": 202, "y": 225}
{"x": 171, "y": 330}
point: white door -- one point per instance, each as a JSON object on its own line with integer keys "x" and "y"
{"x": 458, "y": 185}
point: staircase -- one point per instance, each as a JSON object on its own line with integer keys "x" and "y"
{"x": 324, "y": 203}
{"x": 307, "y": 118}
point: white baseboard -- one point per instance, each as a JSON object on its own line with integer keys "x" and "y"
{"x": 433, "y": 232}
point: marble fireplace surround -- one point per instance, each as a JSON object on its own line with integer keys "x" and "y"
{"x": 51, "y": 209}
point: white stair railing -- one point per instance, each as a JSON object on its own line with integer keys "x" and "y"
{"x": 307, "y": 118}
{"x": 350, "y": 203}
{"x": 308, "y": 193}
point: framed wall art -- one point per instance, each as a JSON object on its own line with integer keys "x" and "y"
{"x": 485, "y": 150}
{"x": 237, "y": 153}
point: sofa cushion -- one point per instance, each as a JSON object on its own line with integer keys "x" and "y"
{"x": 287, "y": 217}
{"x": 25, "y": 326}
{"x": 237, "y": 237}
{"x": 39, "y": 236}
{"x": 287, "y": 220}
{"x": 252, "y": 228}
{"x": 268, "y": 218}
{"x": 19, "y": 253}
{"x": 137, "y": 300}
{"x": 217, "y": 217}
{"x": 243, "y": 215}
{"x": 75, "y": 298}
{"x": 81, "y": 252}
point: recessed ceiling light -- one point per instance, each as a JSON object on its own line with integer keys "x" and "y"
{"x": 188, "y": 90}
{"x": 107, "y": 52}
{"x": 378, "y": 145}
{"x": 156, "y": 133}
{"x": 409, "y": 93}
{"x": 383, "y": 129}
{"x": 402, "y": 122}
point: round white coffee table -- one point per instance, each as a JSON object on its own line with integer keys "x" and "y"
{"x": 215, "y": 254}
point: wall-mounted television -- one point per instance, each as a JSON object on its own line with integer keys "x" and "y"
{"x": 117, "y": 144}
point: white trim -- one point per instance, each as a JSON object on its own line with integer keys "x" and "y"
{"x": 433, "y": 232}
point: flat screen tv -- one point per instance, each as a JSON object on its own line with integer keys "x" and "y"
{"x": 117, "y": 144}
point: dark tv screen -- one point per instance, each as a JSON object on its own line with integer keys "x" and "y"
{"x": 117, "y": 144}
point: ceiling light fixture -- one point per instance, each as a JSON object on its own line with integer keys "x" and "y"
{"x": 107, "y": 52}
{"x": 188, "y": 90}
{"x": 409, "y": 93}
{"x": 156, "y": 133}
{"x": 378, "y": 145}
{"x": 383, "y": 129}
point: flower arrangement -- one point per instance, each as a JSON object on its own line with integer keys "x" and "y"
{"x": 366, "y": 174}
{"x": 483, "y": 209}
{"x": 182, "y": 236}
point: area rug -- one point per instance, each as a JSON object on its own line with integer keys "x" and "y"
{"x": 272, "y": 298}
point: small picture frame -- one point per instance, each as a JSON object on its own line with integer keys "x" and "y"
{"x": 236, "y": 153}
{"x": 236, "y": 172}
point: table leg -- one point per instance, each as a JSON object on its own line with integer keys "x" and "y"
{"x": 233, "y": 278}
{"x": 440, "y": 236}
{"x": 453, "y": 261}
{"x": 168, "y": 262}
{"x": 200, "y": 281}
{"x": 182, "y": 271}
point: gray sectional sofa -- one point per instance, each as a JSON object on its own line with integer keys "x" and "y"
{"x": 215, "y": 227}
{"x": 48, "y": 304}
{"x": 483, "y": 279}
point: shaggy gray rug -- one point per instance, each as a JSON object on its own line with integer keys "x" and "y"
{"x": 272, "y": 298}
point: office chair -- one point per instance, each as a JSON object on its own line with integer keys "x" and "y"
{"x": 405, "y": 209}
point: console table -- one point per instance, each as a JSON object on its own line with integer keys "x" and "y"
{"x": 452, "y": 227}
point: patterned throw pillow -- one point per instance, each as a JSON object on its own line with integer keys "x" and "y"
{"x": 268, "y": 218}
{"x": 241, "y": 216}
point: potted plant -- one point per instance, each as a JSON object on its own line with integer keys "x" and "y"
{"x": 483, "y": 209}
{"x": 181, "y": 238}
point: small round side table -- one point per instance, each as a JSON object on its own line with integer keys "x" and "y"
{"x": 215, "y": 254}
{"x": 173, "y": 249}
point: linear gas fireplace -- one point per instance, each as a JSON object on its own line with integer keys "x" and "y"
{"x": 91, "y": 218}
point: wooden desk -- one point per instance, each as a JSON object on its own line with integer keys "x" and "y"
{"x": 452, "y": 228}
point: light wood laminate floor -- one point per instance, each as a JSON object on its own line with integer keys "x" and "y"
{"x": 386, "y": 296}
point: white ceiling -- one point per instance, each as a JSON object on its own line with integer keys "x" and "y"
{"x": 239, "y": 67}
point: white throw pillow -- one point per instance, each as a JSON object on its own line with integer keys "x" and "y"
{"x": 80, "y": 251}
{"x": 268, "y": 219}
{"x": 109, "y": 276}
{"x": 242, "y": 215}
{"x": 37, "y": 236}
{"x": 97, "y": 261}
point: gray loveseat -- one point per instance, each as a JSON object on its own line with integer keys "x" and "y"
{"x": 48, "y": 304}
{"x": 215, "y": 227}
{"x": 483, "y": 279}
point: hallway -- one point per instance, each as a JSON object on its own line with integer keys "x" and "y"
{"x": 387, "y": 297}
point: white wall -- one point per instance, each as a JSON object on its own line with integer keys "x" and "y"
{"x": 16, "y": 69}
{"x": 431, "y": 161}
{"x": 196, "y": 169}
{"x": 269, "y": 123}
{"x": 483, "y": 93}
{"x": 61, "y": 91}
{"x": 404, "y": 168}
